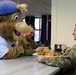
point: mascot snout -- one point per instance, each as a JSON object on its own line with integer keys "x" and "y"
{"x": 22, "y": 27}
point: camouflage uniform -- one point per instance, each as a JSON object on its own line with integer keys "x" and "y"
{"x": 67, "y": 61}
{"x": 29, "y": 45}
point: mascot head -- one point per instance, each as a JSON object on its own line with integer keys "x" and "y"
{"x": 11, "y": 25}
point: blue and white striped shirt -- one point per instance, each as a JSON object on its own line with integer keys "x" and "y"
{"x": 5, "y": 45}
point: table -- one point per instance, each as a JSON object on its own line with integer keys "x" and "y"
{"x": 27, "y": 65}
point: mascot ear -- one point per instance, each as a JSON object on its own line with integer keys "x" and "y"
{"x": 22, "y": 7}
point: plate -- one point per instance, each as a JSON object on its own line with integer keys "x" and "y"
{"x": 35, "y": 53}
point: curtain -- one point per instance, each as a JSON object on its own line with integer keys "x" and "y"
{"x": 27, "y": 19}
{"x": 30, "y": 20}
{"x": 43, "y": 28}
{"x": 49, "y": 28}
{"x": 46, "y": 28}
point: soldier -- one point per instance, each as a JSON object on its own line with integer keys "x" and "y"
{"x": 29, "y": 45}
{"x": 66, "y": 62}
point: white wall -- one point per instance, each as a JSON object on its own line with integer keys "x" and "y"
{"x": 63, "y": 21}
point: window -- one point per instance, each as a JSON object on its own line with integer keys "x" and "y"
{"x": 37, "y": 35}
{"x": 38, "y": 22}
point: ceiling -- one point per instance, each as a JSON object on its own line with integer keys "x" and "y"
{"x": 36, "y": 7}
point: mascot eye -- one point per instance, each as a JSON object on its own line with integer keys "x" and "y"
{"x": 16, "y": 17}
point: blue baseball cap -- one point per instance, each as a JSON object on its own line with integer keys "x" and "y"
{"x": 7, "y": 7}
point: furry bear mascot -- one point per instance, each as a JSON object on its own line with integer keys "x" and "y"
{"x": 11, "y": 28}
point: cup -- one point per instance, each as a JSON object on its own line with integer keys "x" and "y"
{"x": 51, "y": 53}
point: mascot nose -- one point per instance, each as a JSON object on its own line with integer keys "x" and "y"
{"x": 22, "y": 27}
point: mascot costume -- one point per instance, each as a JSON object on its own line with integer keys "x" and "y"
{"x": 11, "y": 28}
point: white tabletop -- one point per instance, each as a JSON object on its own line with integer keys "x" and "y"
{"x": 27, "y": 65}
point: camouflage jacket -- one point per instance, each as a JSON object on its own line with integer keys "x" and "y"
{"x": 28, "y": 45}
{"x": 65, "y": 61}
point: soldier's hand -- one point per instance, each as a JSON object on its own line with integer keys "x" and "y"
{"x": 39, "y": 49}
{"x": 63, "y": 47}
{"x": 39, "y": 57}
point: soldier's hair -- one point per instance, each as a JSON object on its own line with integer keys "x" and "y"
{"x": 33, "y": 26}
